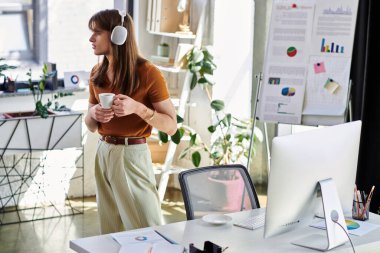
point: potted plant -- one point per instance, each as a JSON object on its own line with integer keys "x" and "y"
{"x": 163, "y": 50}
{"x": 230, "y": 135}
{"x": 41, "y": 129}
{"x": 37, "y": 89}
{"x": 7, "y": 84}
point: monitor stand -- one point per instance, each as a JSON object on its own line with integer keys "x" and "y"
{"x": 333, "y": 213}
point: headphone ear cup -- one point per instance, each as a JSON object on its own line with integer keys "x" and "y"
{"x": 119, "y": 35}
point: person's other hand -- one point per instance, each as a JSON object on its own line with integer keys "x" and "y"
{"x": 123, "y": 105}
{"x": 100, "y": 114}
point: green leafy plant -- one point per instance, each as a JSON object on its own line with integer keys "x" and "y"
{"x": 38, "y": 91}
{"x": 230, "y": 142}
{"x": 230, "y": 135}
{"x": 201, "y": 65}
{"x": 54, "y": 101}
{"x": 4, "y": 67}
{"x": 176, "y": 138}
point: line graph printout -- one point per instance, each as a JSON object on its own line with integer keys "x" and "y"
{"x": 286, "y": 60}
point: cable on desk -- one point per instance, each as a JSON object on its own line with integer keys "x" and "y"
{"x": 349, "y": 238}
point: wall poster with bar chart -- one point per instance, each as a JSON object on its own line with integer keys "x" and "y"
{"x": 307, "y": 60}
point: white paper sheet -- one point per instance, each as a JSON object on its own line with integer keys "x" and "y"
{"x": 357, "y": 227}
{"x": 145, "y": 241}
{"x": 331, "y": 48}
{"x": 149, "y": 248}
{"x": 318, "y": 99}
{"x": 136, "y": 248}
{"x": 167, "y": 248}
{"x": 141, "y": 236}
{"x": 285, "y": 65}
{"x": 334, "y": 27}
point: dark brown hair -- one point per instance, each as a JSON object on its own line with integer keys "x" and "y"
{"x": 126, "y": 57}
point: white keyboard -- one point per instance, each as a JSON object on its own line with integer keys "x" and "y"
{"x": 252, "y": 222}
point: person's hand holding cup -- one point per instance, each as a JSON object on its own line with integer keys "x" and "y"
{"x": 106, "y": 100}
{"x": 103, "y": 113}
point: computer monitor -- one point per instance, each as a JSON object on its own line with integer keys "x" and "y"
{"x": 298, "y": 162}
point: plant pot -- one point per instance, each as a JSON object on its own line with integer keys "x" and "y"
{"x": 9, "y": 86}
{"x": 15, "y": 115}
{"x": 23, "y": 132}
{"x": 163, "y": 51}
{"x": 226, "y": 194}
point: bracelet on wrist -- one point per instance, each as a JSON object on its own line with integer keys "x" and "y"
{"x": 152, "y": 117}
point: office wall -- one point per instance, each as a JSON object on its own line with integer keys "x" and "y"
{"x": 240, "y": 31}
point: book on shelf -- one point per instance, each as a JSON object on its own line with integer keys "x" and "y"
{"x": 158, "y": 16}
{"x": 164, "y": 16}
{"x": 153, "y": 15}
{"x": 180, "y": 56}
{"x": 149, "y": 15}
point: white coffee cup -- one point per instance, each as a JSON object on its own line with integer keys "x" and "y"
{"x": 106, "y": 100}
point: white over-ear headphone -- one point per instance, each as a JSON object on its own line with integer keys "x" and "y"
{"x": 119, "y": 33}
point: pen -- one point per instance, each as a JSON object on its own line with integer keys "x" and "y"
{"x": 363, "y": 197}
{"x": 370, "y": 195}
{"x": 357, "y": 199}
{"x": 167, "y": 239}
{"x": 368, "y": 201}
{"x": 224, "y": 249}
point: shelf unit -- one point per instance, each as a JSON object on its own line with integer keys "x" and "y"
{"x": 179, "y": 80}
{"x": 174, "y": 35}
{"x": 167, "y": 167}
{"x": 170, "y": 69}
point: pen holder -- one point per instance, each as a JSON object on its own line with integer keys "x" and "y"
{"x": 10, "y": 86}
{"x": 360, "y": 211}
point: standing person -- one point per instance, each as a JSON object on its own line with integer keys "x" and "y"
{"x": 126, "y": 188}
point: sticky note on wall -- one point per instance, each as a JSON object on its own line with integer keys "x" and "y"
{"x": 331, "y": 86}
{"x": 319, "y": 67}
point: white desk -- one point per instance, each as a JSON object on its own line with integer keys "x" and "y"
{"x": 238, "y": 240}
